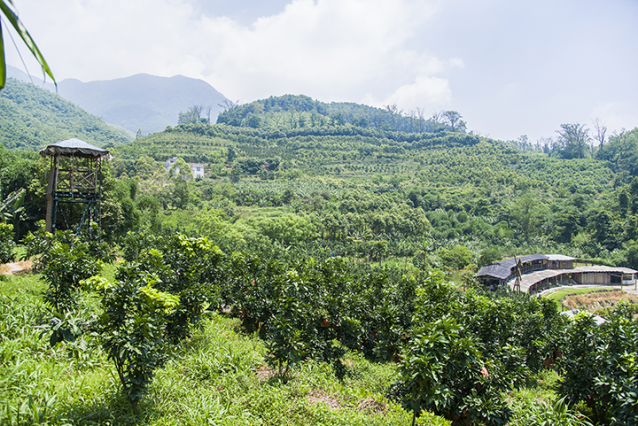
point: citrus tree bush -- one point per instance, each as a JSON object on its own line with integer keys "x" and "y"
{"x": 310, "y": 305}
{"x": 466, "y": 348}
{"x": 97, "y": 246}
{"x": 300, "y": 308}
{"x": 132, "y": 327}
{"x": 443, "y": 369}
{"x": 63, "y": 266}
{"x": 189, "y": 268}
{"x": 288, "y": 332}
{"x": 6, "y": 243}
{"x": 249, "y": 290}
{"x": 502, "y": 321}
{"x": 39, "y": 243}
{"x": 196, "y": 273}
{"x": 600, "y": 366}
{"x": 135, "y": 242}
{"x": 383, "y": 300}
{"x": 444, "y": 372}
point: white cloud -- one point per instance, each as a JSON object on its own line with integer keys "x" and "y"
{"x": 425, "y": 92}
{"x": 329, "y": 49}
{"x": 485, "y": 59}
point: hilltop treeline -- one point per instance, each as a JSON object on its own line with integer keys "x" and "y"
{"x": 299, "y": 112}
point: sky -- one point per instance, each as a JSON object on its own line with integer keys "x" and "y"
{"x": 509, "y": 67}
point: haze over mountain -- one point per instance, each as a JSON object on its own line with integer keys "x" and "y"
{"x": 141, "y": 101}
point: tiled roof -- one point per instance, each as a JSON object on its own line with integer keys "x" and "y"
{"x": 503, "y": 268}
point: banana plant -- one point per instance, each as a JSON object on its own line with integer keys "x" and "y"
{"x": 12, "y": 206}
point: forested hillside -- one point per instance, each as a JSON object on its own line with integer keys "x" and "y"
{"x": 145, "y": 102}
{"x": 342, "y": 256}
{"x": 298, "y": 112}
{"x": 31, "y": 118}
{"x": 357, "y": 188}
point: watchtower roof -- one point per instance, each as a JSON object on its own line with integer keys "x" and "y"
{"x": 74, "y": 148}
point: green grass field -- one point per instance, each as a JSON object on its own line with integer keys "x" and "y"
{"x": 559, "y": 294}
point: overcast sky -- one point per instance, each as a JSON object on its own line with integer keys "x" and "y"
{"x": 510, "y": 67}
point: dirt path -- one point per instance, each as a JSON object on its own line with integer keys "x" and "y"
{"x": 12, "y": 268}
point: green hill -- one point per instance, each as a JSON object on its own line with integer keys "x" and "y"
{"x": 31, "y": 118}
{"x": 473, "y": 190}
{"x": 356, "y": 188}
{"x": 297, "y": 112}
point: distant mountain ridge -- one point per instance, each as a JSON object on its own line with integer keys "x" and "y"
{"x": 32, "y": 117}
{"x": 142, "y": 101}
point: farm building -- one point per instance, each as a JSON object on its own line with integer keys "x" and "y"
{"x": 499, "y": 273}
{"x": 196, "y": 168}
{"x": 539, "y": 272}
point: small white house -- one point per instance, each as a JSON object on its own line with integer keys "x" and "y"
{"x": 196, "y": 168}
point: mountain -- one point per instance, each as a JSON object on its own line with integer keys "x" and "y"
{"x": 32, "y": 117}
{"x": 141, "y": 101}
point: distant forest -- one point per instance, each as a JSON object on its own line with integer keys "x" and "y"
{"x": 293, "y": 112}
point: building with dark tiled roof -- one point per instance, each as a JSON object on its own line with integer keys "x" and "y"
{"x": 539, "y": 272}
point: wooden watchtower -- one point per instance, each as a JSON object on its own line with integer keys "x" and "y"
{"x": 74, "y": 178}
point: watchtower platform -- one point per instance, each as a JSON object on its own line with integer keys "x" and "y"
{"x": 74, "y": 178}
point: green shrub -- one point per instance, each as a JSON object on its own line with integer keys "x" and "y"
{"x": 38, "y": 244}
{"x": 6, "y": 243}
{"x": 189, "y": 268}
{"x": 133, "y": 328}
{"x": 444, "y": 372}
{"x": 600, "y": 367}
{"x": 63, "y": 267}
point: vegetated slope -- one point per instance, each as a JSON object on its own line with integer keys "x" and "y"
{"x": 444, "y": 160}
{"x": 298, "y": 112}
{"x": 31, "y": 118}
{"x": 142, "y": 101}
{"x": 475, "y": 191}
{"x": 331, "y": 144}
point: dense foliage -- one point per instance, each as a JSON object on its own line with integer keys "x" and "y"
{"x": 459, "y": 352}
{"x": 132, "y": 328}
{"x": 600, "y": 366}
{"x": 336, "y": 239}
{"x": 298, "y": 112}
{"x": 6, "y": 243}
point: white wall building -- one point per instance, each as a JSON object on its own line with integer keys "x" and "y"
{"x": 196, "y": 168}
